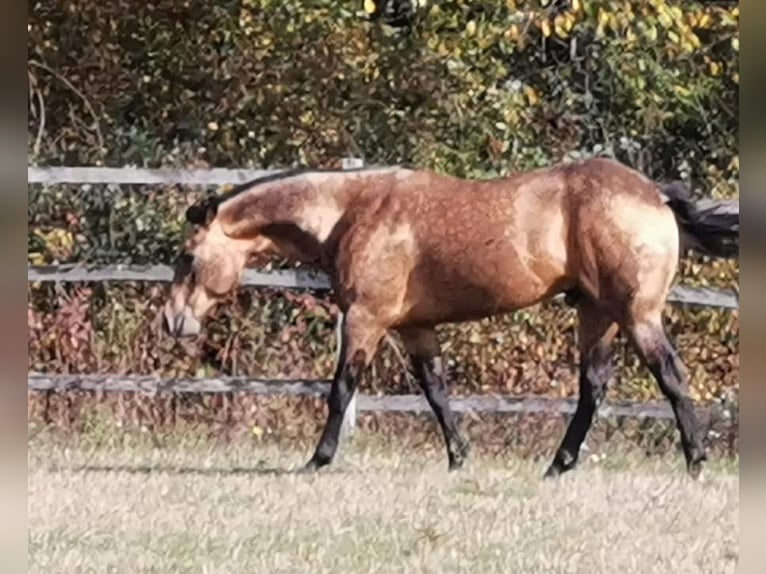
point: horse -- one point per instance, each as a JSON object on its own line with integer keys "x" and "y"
{"x": 409, "y": 249}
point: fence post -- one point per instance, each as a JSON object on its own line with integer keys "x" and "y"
{"x": 349, "y": 420}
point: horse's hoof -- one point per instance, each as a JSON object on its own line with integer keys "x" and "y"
{"x": 562, "y": 462}
{"x": 695, "y": 471}
{"x": 310, "y": 467}
{"x": 458, "y": 456}
{"x": 552, "y": 472}
{"x": 307, "y": 468}
{"x": 694, "y": 467}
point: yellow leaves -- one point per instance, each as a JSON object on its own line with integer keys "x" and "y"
{"x": 35, "y": 258}
{"x": 470, "y": 28}
{"x": 531, "y": 95}
{"x": 545, "y": 27}
{"x": 369, "y": 6}
{"x": 563, "y": 24}
{"x": 212, "y": 126}
{"x": 59, "y": 237}
{"x": 307, "y": 117}
{"x": 693, "y": 41}
{"x": 603, "y": 19}
{"x": 576, "y": 5}
{"x": 511, "y": 117}
{"x": 59, "y": 242}
{"x": 558, "y": 26}
{"x": 715, "y": 68}
{"x": 687, "y": 47}
{"x": 735, "y": 43}
{"x": 704, "y": 21}
{"x": 610, "y": 20}
{"x": 664, "y": 19}
{"x": 512, "y": 33}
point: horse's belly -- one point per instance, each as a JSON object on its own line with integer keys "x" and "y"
{"x": 448, "y": 295}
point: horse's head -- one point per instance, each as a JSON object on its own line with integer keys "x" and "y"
{"x": 209, "y": 267}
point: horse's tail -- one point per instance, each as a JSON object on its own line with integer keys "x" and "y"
{"x": 712, "y": 230}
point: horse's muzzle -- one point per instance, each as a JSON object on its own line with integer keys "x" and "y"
{"x": 181, "y": 324}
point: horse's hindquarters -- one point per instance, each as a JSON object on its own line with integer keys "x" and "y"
{"x": 628, "y": 256}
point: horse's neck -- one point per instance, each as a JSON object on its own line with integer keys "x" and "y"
{"x": 301, "y": 217}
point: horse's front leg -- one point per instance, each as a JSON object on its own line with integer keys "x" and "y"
{"x": 425, "y": 353}
{"x": 360, "y": 337}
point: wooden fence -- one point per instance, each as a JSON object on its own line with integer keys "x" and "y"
{"x": 289, "y": 279}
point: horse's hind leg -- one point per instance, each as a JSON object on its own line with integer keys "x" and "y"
{"x": 595, "y": 335}
{"x": 425, "y": 355}
{"x": 656, "y": 351}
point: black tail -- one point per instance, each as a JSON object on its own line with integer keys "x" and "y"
{"x": 712, "y": 230}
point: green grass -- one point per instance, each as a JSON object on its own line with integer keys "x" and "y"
{"x": 193, "y": 506}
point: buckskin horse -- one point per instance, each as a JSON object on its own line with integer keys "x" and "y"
{"x": 409, "y": 249}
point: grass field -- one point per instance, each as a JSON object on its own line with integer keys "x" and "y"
{"x": 191, "y": 506}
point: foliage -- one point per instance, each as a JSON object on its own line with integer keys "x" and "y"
{"x": 474, "y": 89}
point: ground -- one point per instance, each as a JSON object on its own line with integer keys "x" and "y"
{"x": 194, "y": 506}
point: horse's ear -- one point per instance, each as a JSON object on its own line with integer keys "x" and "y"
{"x": 202, "y": 212}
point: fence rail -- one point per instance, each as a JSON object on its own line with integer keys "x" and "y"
{"x": 207, "y": 177}
{"x": 302, "y": 279}
{"x": 291, "y": 279}
{"x": 281, "y": 278}
{"x": 141, "y": 176}
{"x": 365, "y": 403}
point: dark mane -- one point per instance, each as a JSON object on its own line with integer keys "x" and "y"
{"x": 286, "y": 174}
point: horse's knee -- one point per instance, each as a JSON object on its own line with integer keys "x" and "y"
{"x": 596, "y": 370}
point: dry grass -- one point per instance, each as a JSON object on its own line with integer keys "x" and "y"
{"x": 195, "y": 507}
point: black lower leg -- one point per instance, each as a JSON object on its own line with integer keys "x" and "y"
{"x": 343, "y": 387}
{"x": 595, "y": 371}
{"x": 430, "y": 375}
{"x": 665, "y": 365}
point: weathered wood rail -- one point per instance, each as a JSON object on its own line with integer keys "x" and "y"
{"x": 320, "y": 388}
